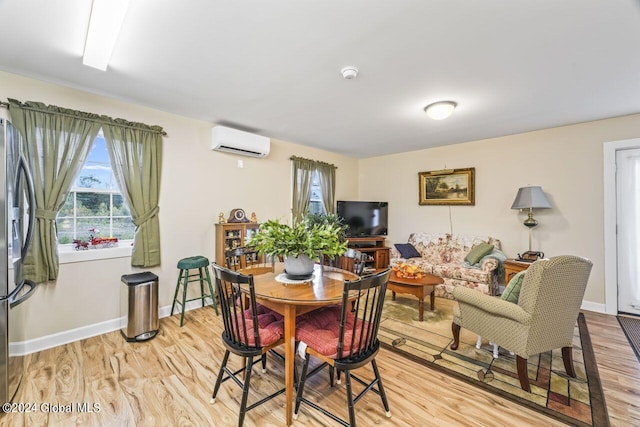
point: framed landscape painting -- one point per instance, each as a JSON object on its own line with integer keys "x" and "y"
{"x": 447, "y": 187}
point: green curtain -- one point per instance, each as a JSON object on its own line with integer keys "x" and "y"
{"x": 303, "y": 170}
{"x": 136, "y": 158}
{"x": 327, "y": 183}
{"x": 56, "y": 144}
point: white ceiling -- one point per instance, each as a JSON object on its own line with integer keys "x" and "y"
{"x": 273, "y": 66}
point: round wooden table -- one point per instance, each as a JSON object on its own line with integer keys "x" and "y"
{"x": 292, "y": 300}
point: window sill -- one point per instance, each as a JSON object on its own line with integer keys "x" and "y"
{"x": 67, "y": 255}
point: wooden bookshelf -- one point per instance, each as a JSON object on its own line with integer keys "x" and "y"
{"x": 232, "y": 235}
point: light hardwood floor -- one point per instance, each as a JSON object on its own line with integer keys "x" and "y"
{"x": 169, "y": 379}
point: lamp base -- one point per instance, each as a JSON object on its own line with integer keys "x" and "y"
{"x": 530, "y": 221}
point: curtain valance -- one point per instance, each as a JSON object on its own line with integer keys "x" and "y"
{"x": 310, "y": 162}
{"x": 102, "y": 119}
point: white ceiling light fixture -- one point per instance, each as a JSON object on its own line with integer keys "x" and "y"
{"x": 104, "y": 26}
{"x": 440, "y": 110}
{"x": 349, "y": 72}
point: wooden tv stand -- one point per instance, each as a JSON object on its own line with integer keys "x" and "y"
{"x": 377, "y": 253}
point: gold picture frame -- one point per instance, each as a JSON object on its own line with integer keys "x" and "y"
{"x": 447, "y": 187}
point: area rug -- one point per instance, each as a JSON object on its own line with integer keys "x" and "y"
{"x": 631, "y": 328}
{"x": 577, "y": 401}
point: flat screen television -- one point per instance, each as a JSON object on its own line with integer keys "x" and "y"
{"x": 364, "y": 219}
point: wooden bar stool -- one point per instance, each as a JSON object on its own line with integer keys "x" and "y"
{"x": 201, "y": 264}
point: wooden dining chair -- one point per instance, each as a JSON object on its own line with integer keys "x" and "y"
{"x": 353, "y": 260}
{"x": 249, "y": 333}
{"x": 247, "y": 260}
{"x": 345, "y": 339}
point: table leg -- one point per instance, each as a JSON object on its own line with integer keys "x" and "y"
{"x": 393, "y": 295}
{"x": 289, "y": 357}
{"x": 421, "y": 308}
{"x": 432, "y": 297}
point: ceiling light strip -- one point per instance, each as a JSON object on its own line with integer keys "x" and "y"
{"x": 104, "y": 26}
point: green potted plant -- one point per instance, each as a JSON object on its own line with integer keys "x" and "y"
{"x": 301, "y": 244}
{"x": 332, "y": 219}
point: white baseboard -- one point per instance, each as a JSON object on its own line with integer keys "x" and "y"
{"x": 594, "y": 306}
{"x": 65, "y": 337}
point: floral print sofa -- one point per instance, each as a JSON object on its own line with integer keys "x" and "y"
{"x": 444, "y": 255}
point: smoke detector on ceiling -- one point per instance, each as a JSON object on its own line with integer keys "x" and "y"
{"x": 349, "y": 72}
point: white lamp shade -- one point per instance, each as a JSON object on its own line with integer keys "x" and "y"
{"x": 531, "y": 197}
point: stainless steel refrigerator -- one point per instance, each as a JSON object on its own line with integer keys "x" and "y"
{"x": 17, "y": 219}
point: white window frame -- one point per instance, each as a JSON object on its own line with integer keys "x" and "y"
{"x": 66, "y": 251}
{"x": 110, "y": 217}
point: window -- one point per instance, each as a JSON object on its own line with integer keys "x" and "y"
{"x": 95, "y": 207}
{"x": 315, "y": 202}
{"x": 313, "y": 188}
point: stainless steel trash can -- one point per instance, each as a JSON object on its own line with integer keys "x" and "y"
{"x": 139, "y": 306}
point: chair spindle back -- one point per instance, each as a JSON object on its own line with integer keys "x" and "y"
{"x": 247, "y": 260}
{"x": 229, "y": 285}
{"x": 366, "y": 309}
{"x": 352, "y": 260}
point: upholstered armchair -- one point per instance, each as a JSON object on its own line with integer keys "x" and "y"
{"x": 542, "y": 320}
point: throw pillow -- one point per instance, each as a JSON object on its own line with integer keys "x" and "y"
{"x": 512, "y": 291}
{"x": 477, "y": 253}
{"x": 407, "y": 250}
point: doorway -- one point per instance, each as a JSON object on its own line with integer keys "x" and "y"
{"x": 628, "y": 230}
{"x": 622, "y": 226}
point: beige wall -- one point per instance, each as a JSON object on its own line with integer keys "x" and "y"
{"x": 566, "y": 161}
{"x": 197, "y": 184}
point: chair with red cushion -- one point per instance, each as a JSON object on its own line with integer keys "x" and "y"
{"x": 249, "y": 333}
{"x": 353, "y": 260}
{"x": 249, "y": 262}
{"x": 345, "y": 339}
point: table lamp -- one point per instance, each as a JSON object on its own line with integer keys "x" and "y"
{"x": 530, "y": 198}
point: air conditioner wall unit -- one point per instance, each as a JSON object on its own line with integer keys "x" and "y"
{"x": 235, "y": 141}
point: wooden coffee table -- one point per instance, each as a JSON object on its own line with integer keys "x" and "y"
{"x": 415, "y": 287}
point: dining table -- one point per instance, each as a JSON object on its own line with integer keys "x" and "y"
{"x": 294, "y": 298}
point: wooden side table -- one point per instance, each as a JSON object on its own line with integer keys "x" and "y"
{"x": 415, "y": 287}
{"x": 512, "y": 267}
